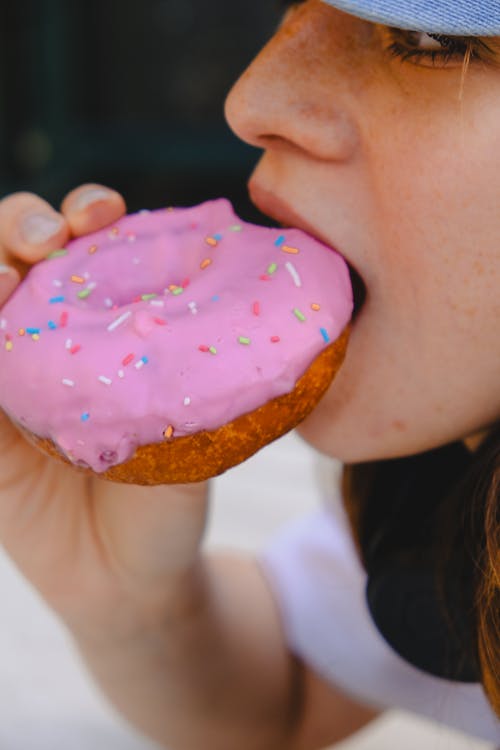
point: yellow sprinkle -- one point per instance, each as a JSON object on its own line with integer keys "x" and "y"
{"x": 9, "y": 346}
{"x": 315, "y": 307}
{"x": 211, "y": 241}
{"x": 290, "y": 250}
{"x": 205, "y": 263}
{"x": 92, "y": 249}
{"x": 36, "y": 337}
{"x": 78, "y": 279}
{"x": 169, "y": 432}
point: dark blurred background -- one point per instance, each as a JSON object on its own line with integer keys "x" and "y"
{"x": 128, "y": 93}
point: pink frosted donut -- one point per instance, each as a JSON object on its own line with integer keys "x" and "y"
{"x": 173, "y": 345}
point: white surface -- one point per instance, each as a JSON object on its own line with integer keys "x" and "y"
{"x": 47, "y": 702}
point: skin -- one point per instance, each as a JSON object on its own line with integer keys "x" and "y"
{"x": 382, "y": 160}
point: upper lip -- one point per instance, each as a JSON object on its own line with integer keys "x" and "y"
{"x": 271, "y": 205}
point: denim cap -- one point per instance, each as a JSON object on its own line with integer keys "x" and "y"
{"x": 460, "y": 17}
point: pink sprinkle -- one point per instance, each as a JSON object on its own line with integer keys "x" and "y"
{"x": 185, "y": 283}
{"x": 265, "y": 277}
{"x": 128, "y": 359}
{"x": 203, "y": 348}
{"x": 256, "y": 308}
{"x": 137, "y": 299}
{"x": 275, "y": 339}
{"x": 63, "y": 321}
{"x": 75, "y": 349}
{"x": 160, "y": 321}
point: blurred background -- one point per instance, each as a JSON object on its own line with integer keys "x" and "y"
{"x": 126, "y": 93}
{"x": 130, "y": 94}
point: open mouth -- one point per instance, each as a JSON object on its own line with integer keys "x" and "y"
{"x": 283, "y": 216}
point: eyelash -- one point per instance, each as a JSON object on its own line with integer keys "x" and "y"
{"x": 452, "y": 48}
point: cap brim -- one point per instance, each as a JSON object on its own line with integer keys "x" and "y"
{"x": 460, "y": 17}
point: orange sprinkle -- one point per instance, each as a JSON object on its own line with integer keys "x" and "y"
{"x": 78, "y": 279}
{"x": 92, "y": 249}
{"x": 211, "y": 241}
{"x": 290, "y": 250}
{"x": 315, "y": 307}
{"x": 205, "y": 263}
{"x": 21, "y": 331}
{"x": 169, "y": 432}
{"x": 115, "y": 231}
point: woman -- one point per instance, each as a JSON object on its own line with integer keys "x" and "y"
{"x": 380, "y": 134}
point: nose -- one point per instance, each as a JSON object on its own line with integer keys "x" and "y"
{"x": 295, "y": 94}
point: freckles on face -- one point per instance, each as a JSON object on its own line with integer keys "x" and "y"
{"x": 412, "y": 202}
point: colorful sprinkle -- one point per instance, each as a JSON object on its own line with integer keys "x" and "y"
{"x": 280, "y": 240}
{"x": 160, "y": 321}
{"x": 205, "y": 263}
{"x": 290, "y": 250}
{"x": 193, "y": 307}
{"x": 69, "y": 383}
{"x": 77, "y": 279}
{"x": 147, "y": 297}
{"x": 215, "y": 298}
{"x": 264, "y": 277}
{"x": 211, "y": 241}
{"x": 31, "y": 331}
{"x": 113, "y": 234}
{"x": 9, "y": 346}
{"x": 93, "y": 249}
{"x": 256, "y": 308}
{"x": 298, "y": 314}
{"x": 21, "y": 331}
{"x": 103, "y": 379}
{"x": 244, "y": 340}
{"x": 55, "y": 300}
{"x": 35, "y": 336}
{"x": 212, "y": 350}
{"x": 157, "y": 303}
{"x": 203, "y": 348}
{"x": 75, "y": 349}
{"x": 85, "y": 292}
{"x": 315, "y": 307}
{"x": 143, "y": 361}
{"x": 63, "y": 320}
{"x": 178, "y": 290}
{"x": 235, "y": 228}
{"x": 325, "y": 335}
{"x": 293, "y": 273}
{"x": 168, "y": 433}
{"x": 118, "y": 322}
{"x": 85, "y": 416}
{"x": 275, "y": 339}
{"x": 52, "y": 325}
{"x": 57, "y": 254}
{"x": 272, "y": 268}
{"x": 187, "y": 401}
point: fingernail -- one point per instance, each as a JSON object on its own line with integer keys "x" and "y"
{"x": 38, "y": 228}
{"x": 91, "y": 196}
{"x": 5, "y": 269}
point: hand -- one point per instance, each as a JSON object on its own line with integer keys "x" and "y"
{"x": 105, "y": 556}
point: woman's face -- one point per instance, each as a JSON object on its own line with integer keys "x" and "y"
{"x": 383, "y": 159}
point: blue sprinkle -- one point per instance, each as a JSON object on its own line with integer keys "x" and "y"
{"x": 85, "y": 417}
{"x": 54, "y": 300}
{"x": 32, "y": 331}
{"x": 145, "y": 360}
{"x": 52, "y": 325}
{"x": 217, "y": 237}
{"x": 325, "y": 335}
{"x": 280, "y": 240}
{"x": 215, "y": 298}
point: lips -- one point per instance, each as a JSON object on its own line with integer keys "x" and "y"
{"x": 270, "y": 205}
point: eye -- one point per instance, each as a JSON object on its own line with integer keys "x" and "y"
{"x": 435, "y": 50}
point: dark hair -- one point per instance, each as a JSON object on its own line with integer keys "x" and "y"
{"x": 466, "y": 513}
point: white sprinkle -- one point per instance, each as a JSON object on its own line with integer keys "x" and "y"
{"x": 3, "y": 324}
{"x": 86, "y": 275}
{"x": 104, "y": 379}
{"x": 108, "y": 302}
{"x": 121, "y": 373}
{"x": 57, "y": 282}
{"x": 157, "y": 303}
{"x": 293, "y": 273}
{"x": 119, "y": 320}
{"x": 69, "y": 343}
{"x": 92, "y": 285}
{"x": 187, "y": 401}
{"x": 139, "y": 364}
{"x": 192, "y": 306}
{"x": 69, "y": 383}
{"x": 144, "y": 211}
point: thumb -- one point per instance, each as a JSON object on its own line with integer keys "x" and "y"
{"x": 9, "y": 279}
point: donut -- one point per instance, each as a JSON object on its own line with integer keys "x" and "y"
{"x": 173, "y": 345}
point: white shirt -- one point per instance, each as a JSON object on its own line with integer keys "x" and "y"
{"x": 319, "y": 583}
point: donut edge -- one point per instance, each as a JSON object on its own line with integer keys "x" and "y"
{"x": 207, "y": 454}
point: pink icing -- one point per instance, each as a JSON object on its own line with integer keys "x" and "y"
{"x": 90, "y": 359}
